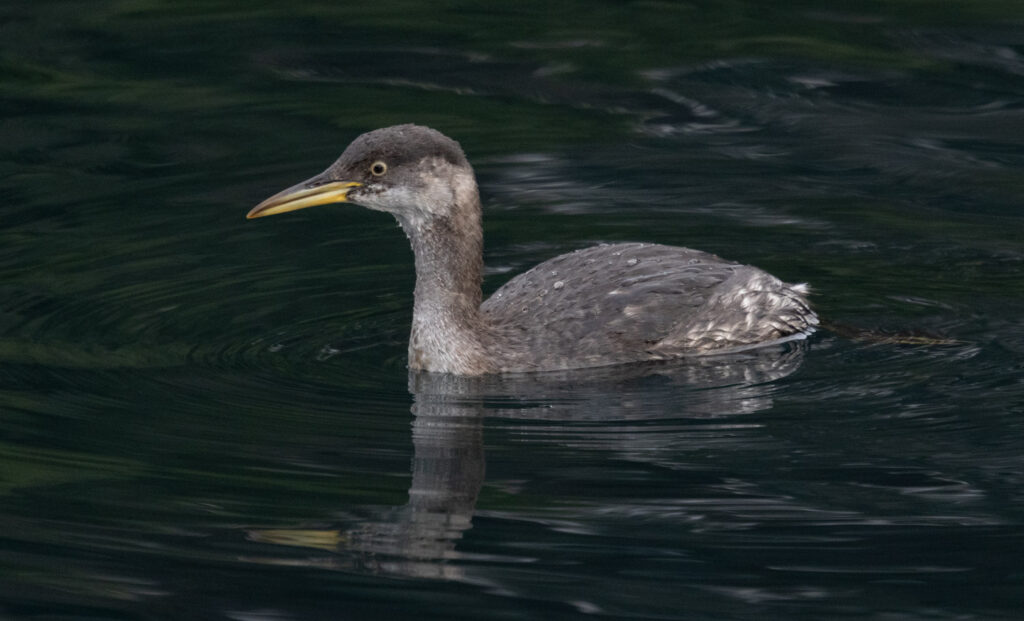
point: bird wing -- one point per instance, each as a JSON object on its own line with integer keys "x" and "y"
{"x": 611, "y": 301}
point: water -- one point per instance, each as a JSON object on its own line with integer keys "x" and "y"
{"x": 208, "y": 418}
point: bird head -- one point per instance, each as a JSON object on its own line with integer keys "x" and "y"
{"x": 414, "y": 172}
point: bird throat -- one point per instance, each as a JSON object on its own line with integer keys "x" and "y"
{"x": 448, "y": 333}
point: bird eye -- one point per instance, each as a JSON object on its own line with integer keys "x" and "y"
{"x": 378, "y": 168}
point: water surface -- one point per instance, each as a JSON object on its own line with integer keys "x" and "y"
{"x": 208, "y": 418}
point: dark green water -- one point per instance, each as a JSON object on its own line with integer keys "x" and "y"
{"x": 208, "y": 418}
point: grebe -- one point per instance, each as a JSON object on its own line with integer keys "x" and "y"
{"x": 608, "y": 304}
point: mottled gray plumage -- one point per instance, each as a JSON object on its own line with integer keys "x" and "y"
{"x": 603, "y": 305}
{"x": 631, "y": 302}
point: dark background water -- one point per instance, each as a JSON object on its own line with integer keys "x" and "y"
{"x": 208, "y": 418}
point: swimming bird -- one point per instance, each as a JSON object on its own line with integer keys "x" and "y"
{"x": 603, "y": 305}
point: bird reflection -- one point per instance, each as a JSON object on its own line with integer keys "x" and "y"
{"x": 421, "y": 539}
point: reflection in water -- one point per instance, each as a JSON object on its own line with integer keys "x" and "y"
{"x": 419, "y": 539}
{"x": 447, "y": 474}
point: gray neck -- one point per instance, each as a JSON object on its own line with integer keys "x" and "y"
{"x": 449, "y": 334}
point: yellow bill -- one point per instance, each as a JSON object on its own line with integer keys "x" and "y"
{"x": 300, "y": 197}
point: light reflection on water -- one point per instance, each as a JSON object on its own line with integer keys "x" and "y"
{"x": 616, "y": 411}
{"x": 692, "y": 449}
